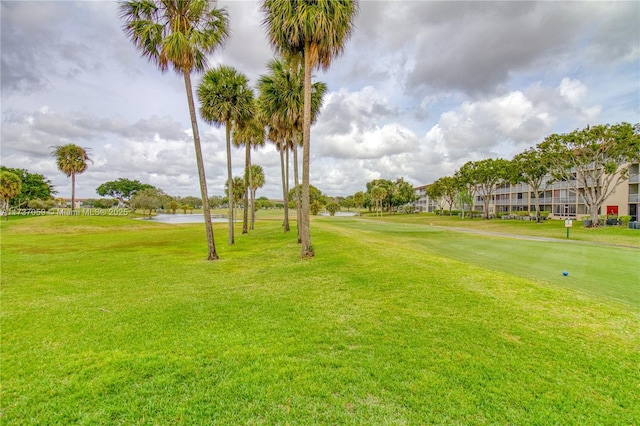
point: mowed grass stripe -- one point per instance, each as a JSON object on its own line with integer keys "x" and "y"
{"x": 599, "y": 270}
{"x": 373, "y": 331}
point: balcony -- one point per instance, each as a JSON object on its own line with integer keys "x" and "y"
{"x": 634, "y": 198}
{"x": 634, "y": 178}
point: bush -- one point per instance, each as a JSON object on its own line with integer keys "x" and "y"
{"x": 624, "y": 220}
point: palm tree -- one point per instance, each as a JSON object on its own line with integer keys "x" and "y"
{"x": 378, "y": 193}
{"x": 281, "y": 102}
{"x": 71, "y": 160}
{"x": 249, "y": 133}
{"x": 257, "y": 181}
{"x": 317, "y": 29}
{"x": 179, "y": 34}
{"x": 226, "y": 98}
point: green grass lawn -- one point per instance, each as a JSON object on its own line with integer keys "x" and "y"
{"x": 115, "y": 321}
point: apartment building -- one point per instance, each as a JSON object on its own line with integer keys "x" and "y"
{"x": 558, "y": 198}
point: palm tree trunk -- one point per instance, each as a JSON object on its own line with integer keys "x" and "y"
{"x": 297, "y": 186}
{"x": 201, "y": 176}
{"x": 247, "y": 183}
{"x": 285, "y": 195}
{"x": 305, "y": 222}
{"x": 73, "y": 192}
{"x": 230, "y": 180}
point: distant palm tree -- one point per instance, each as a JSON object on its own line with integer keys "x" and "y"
{"x": 249, "y": 133}
{"x": 179, "y": 34}
{"x": 71, "y": 160}
{"x": 317, "y": 29}
{"x": 257, "y": 181}
{"x": 226, "y": 98}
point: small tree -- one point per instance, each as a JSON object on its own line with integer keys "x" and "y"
{"x": 532, "y": 167}
{"x": 593, "y": 160}
{"x": 10, "y": 186}
{"x": 485, "y": 175}
{"x": 332, "y": 208}
{"x": 147, "y": 199}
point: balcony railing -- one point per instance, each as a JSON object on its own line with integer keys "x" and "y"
{"x": 634, "y": 198}
{"x": 634, "y": 178}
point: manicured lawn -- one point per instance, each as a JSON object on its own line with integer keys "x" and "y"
{"x": 114, "y": 321}
{"x": 621, "y": 235}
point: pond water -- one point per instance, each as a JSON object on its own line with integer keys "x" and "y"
{"x": 183, "y": 218}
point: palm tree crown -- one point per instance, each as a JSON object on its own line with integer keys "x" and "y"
{"x": 225, "y": 96}
{"x": 71, "y": 159}
{"x": 175, "y": 33}
{"x": 324, "y": 24}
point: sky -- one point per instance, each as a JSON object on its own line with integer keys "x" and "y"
{"x": 421, "y": 88}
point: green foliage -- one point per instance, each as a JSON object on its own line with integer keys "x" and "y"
{"x": 196, "y": 202}
{"x": 121, "y": 189}
{"x": 593, "y": 160}
{"x": 147, "y": 199}
{"x": 332, "y": 208}
{"x": 10, "y": 186}
{"x": 33, "y": 186}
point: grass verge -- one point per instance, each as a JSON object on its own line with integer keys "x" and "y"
{"x": 113, "y": 321}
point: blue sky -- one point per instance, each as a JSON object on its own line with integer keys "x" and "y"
{"x": 422, "y": 88}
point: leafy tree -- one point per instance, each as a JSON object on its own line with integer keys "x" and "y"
{"x": 173, "y": 205}
{"x": 317, "y": 30}
{"x": 532, "y": 167}
{"x": 264, "y": 203}
{"x": 332, "y": 208}
{"x": 34, "y": 186}
{"x": 385, "y": 202}
{"x": 435, "y": 191}
{"x": 147, "y": 199}
{"x": 402, "y": 193}
{"x": 194, "y": 201}
{"x": 121, "y": 189}
{"x": 179, "y": 34}
{"x": 450, "y": 187}
{"x": 216, "y": 201}
{"x": 10, "y": 186}
{"x": 347, "y": 203}
{"x": 485, "y": 175}
{"x": 593, "y": 160}
{"x": 71, "y": 160}
{"x": 226, "y": 99}
{"x": 38, "y": 204}
{"x": 463, "y": 199}
{"x": 105, "y": 203}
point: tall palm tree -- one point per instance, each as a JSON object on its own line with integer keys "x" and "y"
{"x": 318, "y": 30}
{"x": 71, "y": 160}
{"x": 226, "y": 99}
{"x": 281, "y": 102}
{"x": 179, "y": 34}
{"x": 249, "y": 133}
{"x": 257, "y": 181}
